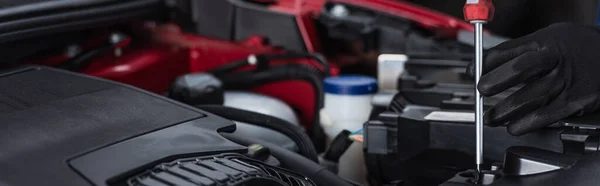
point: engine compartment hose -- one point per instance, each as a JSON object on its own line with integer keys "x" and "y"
{"x": 264, "y": 59}
{"x": 290, "y": 160}
{"x": 315, "y": 56}
{"x": 83, "y": 60}
{"x": 305, "y": 145}
{"x": 249, "y": 79}
{"x": 229, "y": 67}
{"x": 338, "y": 146}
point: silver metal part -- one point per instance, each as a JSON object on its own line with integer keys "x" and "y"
{"x": 389, "y": 68}
{"x": 466, "y": 37}
{"x": 118, "y": 52}
{"x": 339, "y": 10}
{"x": 449, "y": 116}
{"x": 529, "y": 167}
{"x": 252, "y": 60}
{"x": 73, "y": 50}
{"x": 117, "y": 37}
{"x": 494, "y": 168}
{"x": 479, "y": 98}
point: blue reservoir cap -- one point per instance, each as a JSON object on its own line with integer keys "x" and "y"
{"x": 350, "y": 85}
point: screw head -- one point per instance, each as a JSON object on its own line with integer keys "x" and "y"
{"x": 339, "y": 11}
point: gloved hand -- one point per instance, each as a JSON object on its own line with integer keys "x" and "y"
{"x": 560, "y": 67}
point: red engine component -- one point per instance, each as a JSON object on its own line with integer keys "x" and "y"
{"x": 151, "y": 68}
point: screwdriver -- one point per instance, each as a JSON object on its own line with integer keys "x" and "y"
{"x": 478, "y": 12}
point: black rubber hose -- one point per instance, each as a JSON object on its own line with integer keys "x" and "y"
{"x": 250, "y": 79}
{"x": 290, "y": 160}
{"x": 305, "y": 145}
{"x": 264, "y": 59}
{"x": 83, "y": 60}
{"x": 316, "y": 56}
{"x": 229, "y": 67}
{"x": 338, "y": 146}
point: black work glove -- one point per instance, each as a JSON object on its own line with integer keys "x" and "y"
{"x": 560, "y": 67}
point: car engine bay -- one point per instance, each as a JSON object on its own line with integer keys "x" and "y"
{"x": 260, "y": 92}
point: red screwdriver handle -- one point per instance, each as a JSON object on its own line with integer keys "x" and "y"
{"x": 479, "y": 10}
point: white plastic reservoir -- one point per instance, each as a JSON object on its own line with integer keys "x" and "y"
{"x": 347, "y": 103}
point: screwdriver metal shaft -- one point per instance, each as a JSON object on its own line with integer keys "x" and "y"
{"x": 479, "y": 98}
{"x": 478, "y": 12}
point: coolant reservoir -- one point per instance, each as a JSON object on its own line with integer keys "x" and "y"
{"x": 347, "y": 103}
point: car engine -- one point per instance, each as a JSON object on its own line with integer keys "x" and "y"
{"x": 261, "y": 93}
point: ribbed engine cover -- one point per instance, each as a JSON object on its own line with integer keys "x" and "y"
{"x": 62, "y": 128}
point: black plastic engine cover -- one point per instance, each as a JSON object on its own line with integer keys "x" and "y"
{"x": 61, "y": 128}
